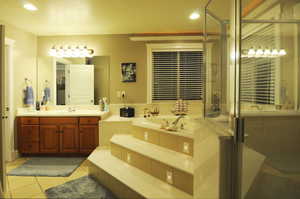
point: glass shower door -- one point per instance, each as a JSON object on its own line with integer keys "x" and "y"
{"x": 267, "y": 101}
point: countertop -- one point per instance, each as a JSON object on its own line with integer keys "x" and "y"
{"x": 61, "y": 113}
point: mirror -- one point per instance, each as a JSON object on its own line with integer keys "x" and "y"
{"x": 73, "y": 81}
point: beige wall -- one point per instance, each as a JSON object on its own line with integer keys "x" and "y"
{"x": 24, "y": 66}
{"x": 102, "y": 65}
{"x": 24, "y": 60}
{"x": 120, "y": 49}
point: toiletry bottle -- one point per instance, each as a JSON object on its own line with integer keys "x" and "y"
{"x": 106, "y": 105}
{"x": 37, "y": 106}
{"x": 42, "y": 107}
{"x": 101, "y": 105}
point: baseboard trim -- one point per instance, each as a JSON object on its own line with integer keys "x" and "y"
{"x": 15, "y": 155}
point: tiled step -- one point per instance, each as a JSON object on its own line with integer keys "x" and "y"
{"x": 175, "y": 141}
{"x": 207, "y": 165}
{"x": 139, "y": 182}
{"x": 171, "y": 158}
{"x": 167, "y": 165}
{"x": 209, "y": 188}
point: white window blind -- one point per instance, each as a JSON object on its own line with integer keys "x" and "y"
{"x": 258, "y": 74}
{"x": 177, "y": 75}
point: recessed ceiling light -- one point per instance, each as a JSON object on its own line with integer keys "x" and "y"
{"x": 194, "y": 15}
{"x": 30, "y": 6}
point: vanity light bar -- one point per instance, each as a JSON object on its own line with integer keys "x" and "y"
{"x": 260, "y": 53}
{"x": 71, "y": 52}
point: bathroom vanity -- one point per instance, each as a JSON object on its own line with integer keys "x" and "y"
{"x": 49, "y": 133}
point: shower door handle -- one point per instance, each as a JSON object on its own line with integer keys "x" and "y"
{"x": 239, "y": 130}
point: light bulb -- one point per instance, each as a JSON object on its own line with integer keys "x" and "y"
{"x": 194, "y": 16}
{"x": 53, "y": 52}
{"x": 267, "y": 53}
{"x": 275, "y": 52}
{"x": 68, "y": 52}
{"x": 30, "y": 6}
{"x": 251, "y": 52}
{"x": 85, "y": 52}
{"x": 77, "y": 52}
{"x": 282, "y": 52}
{"x": 259, "y": 52}
{"x": 60, "y": 52}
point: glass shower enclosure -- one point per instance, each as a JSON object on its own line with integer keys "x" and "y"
{"x": 252, "y": 82}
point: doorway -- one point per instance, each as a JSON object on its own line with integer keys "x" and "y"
{"x": 11, "y": 154}
{"x": 3, "y": 117}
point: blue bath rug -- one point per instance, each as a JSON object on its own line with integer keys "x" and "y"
{"x": 81, "y": 188}
{"x": 48, "y": 166}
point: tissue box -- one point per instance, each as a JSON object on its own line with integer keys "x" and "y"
{"x": 127, "y": 112}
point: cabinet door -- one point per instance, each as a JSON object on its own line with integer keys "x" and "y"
{"x": 49, "y": 138}
{"x": 69, "y": 142}
{"x": 29, "y": 133}
{"x": 89, "y": 138}
{"x": 29, "y": 139}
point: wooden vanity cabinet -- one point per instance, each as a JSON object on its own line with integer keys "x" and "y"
{"x": 58, "y": 135}
{"x": 49, "y": 142}
{"x": 89, "y": 134}
{"x": 28, "y": 135}
{"x": 69, "y": 138}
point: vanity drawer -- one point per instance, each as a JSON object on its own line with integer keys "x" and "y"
{"x": 29, "y": 120}
{"x": 59, "y": 120}
{"x": 89, "y": 120}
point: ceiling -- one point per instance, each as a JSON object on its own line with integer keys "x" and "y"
{"x": 66, "y": 17}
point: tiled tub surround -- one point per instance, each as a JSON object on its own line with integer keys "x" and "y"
{"x": 156, "y": 161}
{"x": 161, "y": 161}
{"x": 166, "y": 158}
{"x": 149, "y": 130}
{"x": 198, "y": 172}
{"x": 115, "y": 124}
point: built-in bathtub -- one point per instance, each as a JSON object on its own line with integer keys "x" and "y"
{"x": 158, "y": 123}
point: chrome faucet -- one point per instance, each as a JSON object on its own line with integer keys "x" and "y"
{"x": 71, "y": 109}
{"x": 177, "y": 120}
{"x": 257, "y": 107}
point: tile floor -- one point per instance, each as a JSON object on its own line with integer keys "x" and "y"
{"x": 34, "y": 187}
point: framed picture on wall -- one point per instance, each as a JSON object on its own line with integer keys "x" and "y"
{"x": 128, "y": 72}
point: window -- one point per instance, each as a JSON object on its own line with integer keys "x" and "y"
{"x": 258, "y": 74}
{"x": 176, "y": 74}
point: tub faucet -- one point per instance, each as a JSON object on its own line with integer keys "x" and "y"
{"x": 146, "y": 112}
{"x": 177, "y": 120}
{"x": 257, "y": 107}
